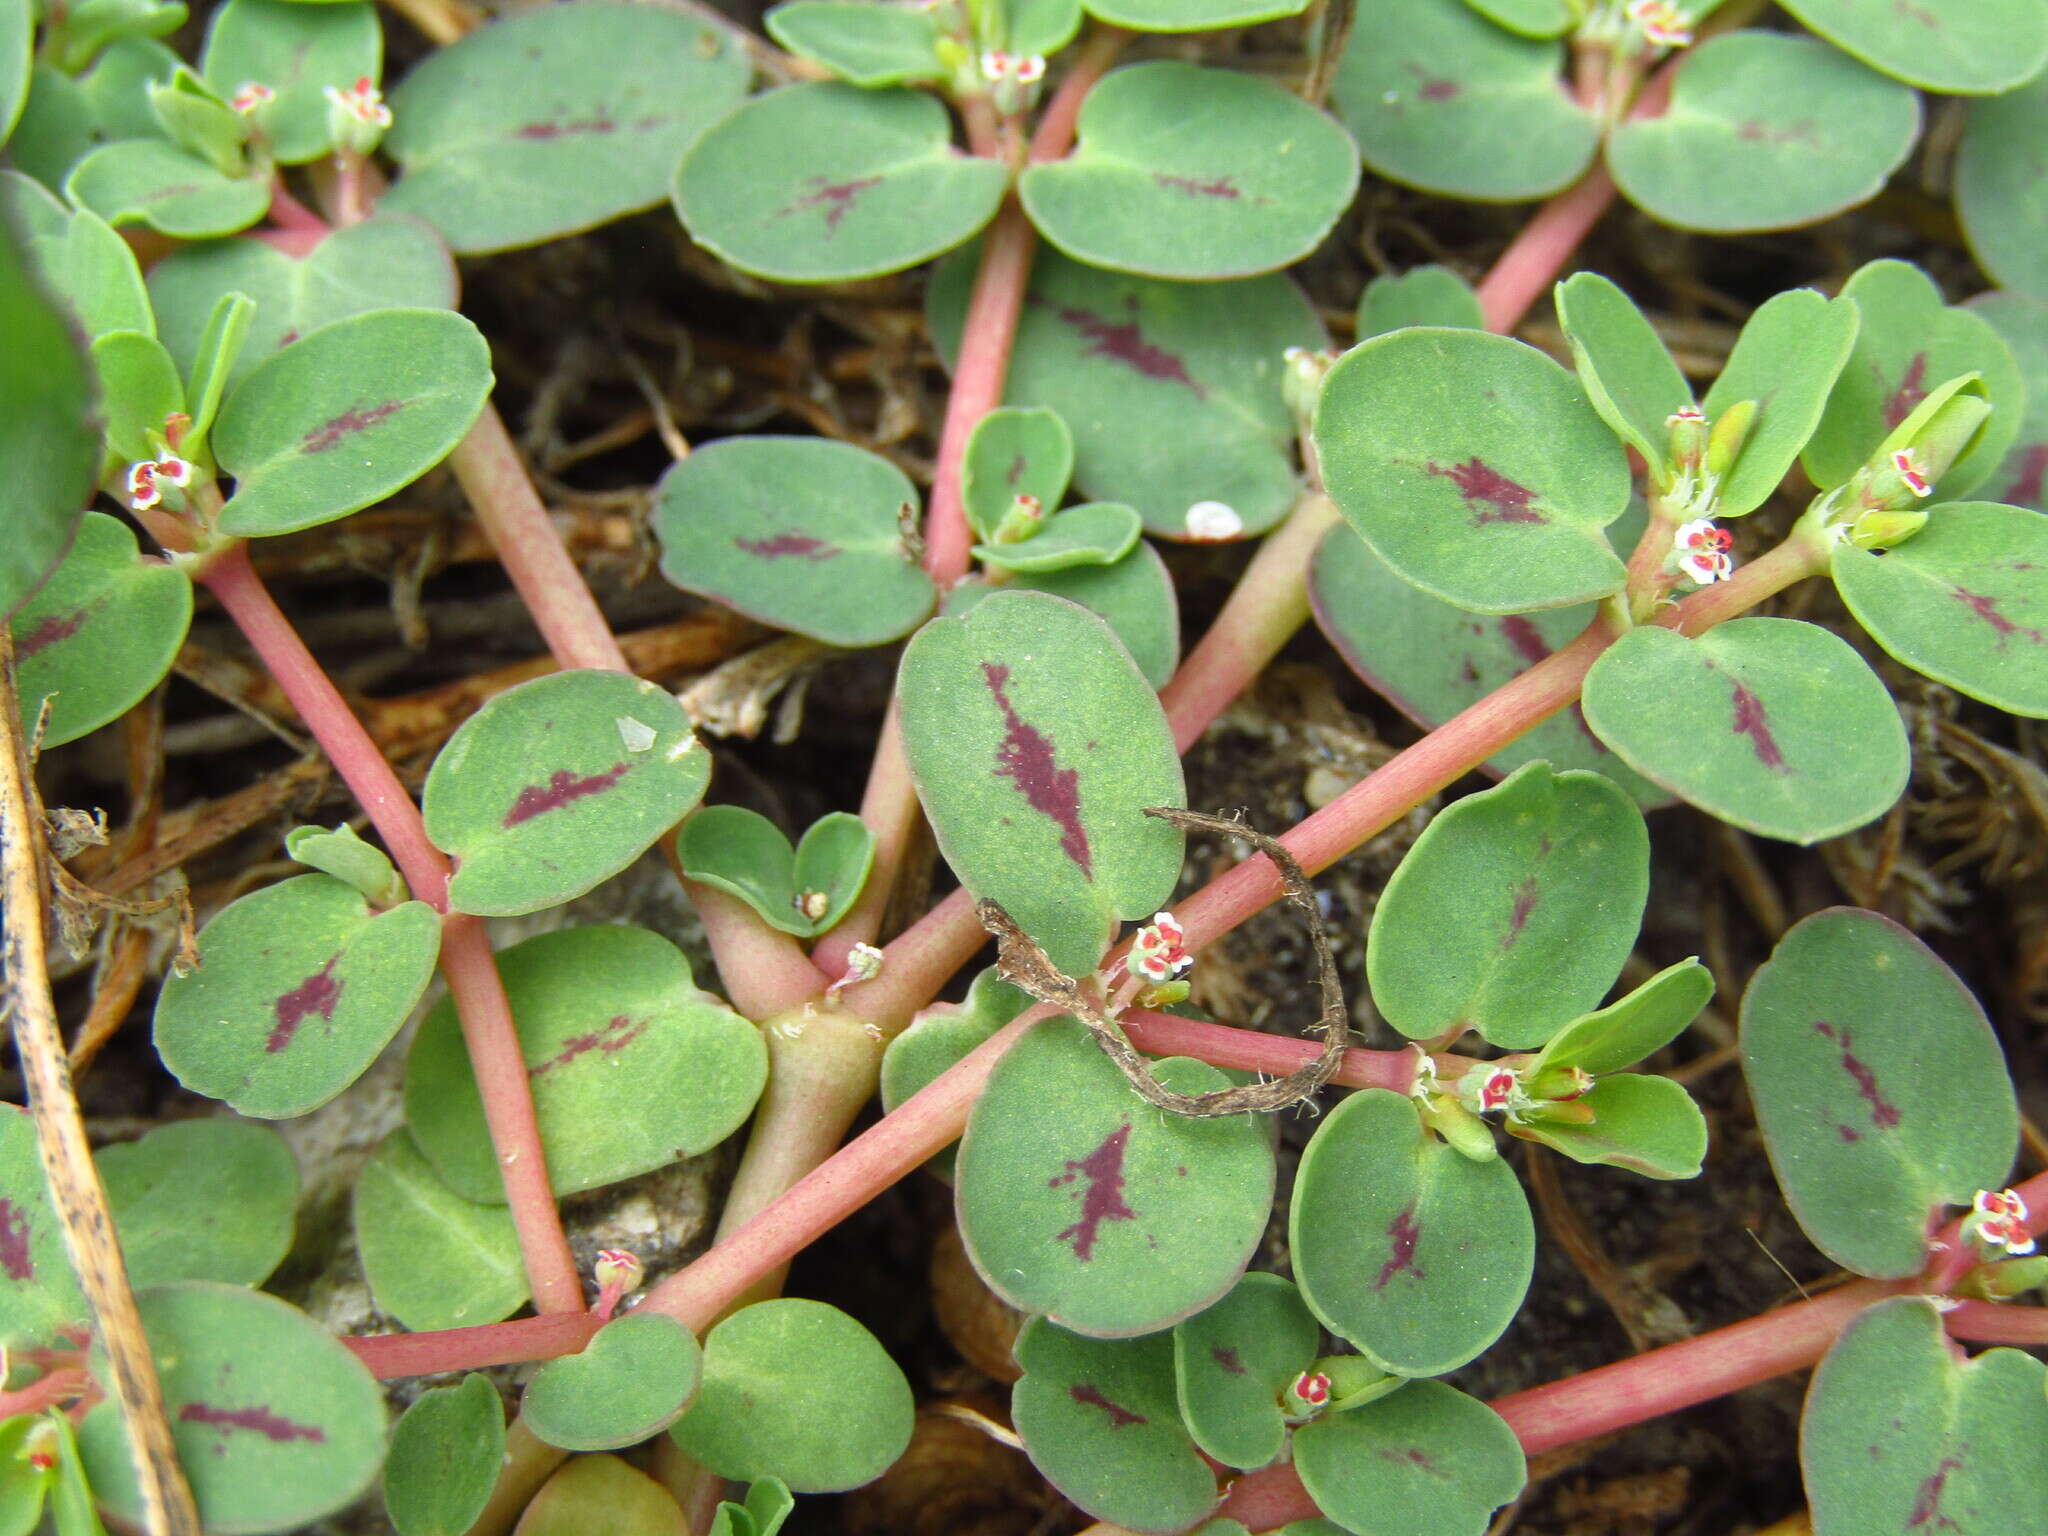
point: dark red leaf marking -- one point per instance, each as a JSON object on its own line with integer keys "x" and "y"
{"x": 260, "y": 1420}
{"x": 288, "y": 337}
{"x": 790, "y": 544}
{"x": 1918, "y": 13}
{"x": 57, "y": 627}
{"x": 1125, "y": 343}
{"x": 561, "y": 788}
{"x": 1430, "y": 87}
{"x": 1226, "y": 1358}
{"x": 1750, "y": 722}
{"x": 1026, "y": 759}
{"x": 1017, "y": 468}
{"x": 598, "y": 124}
{"x": 15, "y": 1257}
{"x": 1222, "y": 186}
{"x": 1848, "y": 1133}
{"x": 1927, "y": 1507}
{"x": 1530, "y": 646}
{"x": 1103, "y": 1199}
{"x": 1883, "y": 1113}
{"x": 1092, "y": 1396}
{"x": 615, "y": 1036}
{"x": 318, "y": 993}
{"x": 835, "y": 197}
{"x": 1801, "y": 132}
{"x": 354, "y": 419}
{"x": 2031, "y": 479}
{"x": 178, "y": 189}
{"x": 1986, "y": 608}
{"x": 1480, "y": 481}
{"x": 1525, "y": 903}
{"x": 1405, "y": 1234}
{"x": 1911, "y": 391}
{"x": 1413, "y": 1457}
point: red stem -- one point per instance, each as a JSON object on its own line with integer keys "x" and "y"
{"x": 1055, "y": 135}
{"x": 45, "y": 1392}
{"x": 392, "y": 1355}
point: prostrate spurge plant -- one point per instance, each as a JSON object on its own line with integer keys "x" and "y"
{"x": 1535, "y": 563}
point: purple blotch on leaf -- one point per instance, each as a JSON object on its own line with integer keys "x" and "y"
{"x": 1221, "y": 186}
{"x": 1911, "y": 391}
{"x": 355, "y": 419}
{"x": 1883, "y": 1113}
{"x": 1985, "y": 607}
{"x": 1750, "y": 722}
{"x": 1431, "y": 87}
{"x": 598, "y": 124}
{"x": 2031, "y": 478}
{"x": 1412, "y": 1456}
{"x": 1525, "y": 903}
{"x": 1091, "y": 1396}
{"x": 1026, "y": 758}
{"x": 259, "y": 1421}
{"x": 1404, "y": 1233}
{"x": 786, "y": 544}
{"x": 1226, "y": 1359}
{"x": 561, "y": 788}
{"x": 318, "y": 993}
{"x": 57, "y": 627}
{"x": 1477, "y": 480}
{"x": 835, "y": 197}
{"x": 15, "y": 1256}
{"x": 1927, "y": 1513}
{"x": 1102, "y": 1199}
{"x": 615, "y": 1036}
{"x": 1125, "y": 343}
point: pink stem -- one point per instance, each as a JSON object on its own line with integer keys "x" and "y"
{"x": 1055, "y": 134}
{"x": 763, "y": 969}
{"x": 288, "y": 213}
{"x": 1246, "y": 1050}
{"x": 392, "y": 1355}
{"x": 45, "y": 1392}
{"x": 1991, "y": 1322}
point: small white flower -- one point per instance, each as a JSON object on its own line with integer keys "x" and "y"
{"x": 361, "y": 101}
{"x": 1661, "y": 22}
{"x": 1688, "y": 414}
{"x": 863, "y": 963}
{"x": 1998, "y": 1221}
{"x": 143, "y": 491}
{"x": 1907, "y": 462}
{"x": 250, "y": 95}
{"x": 1701, "y": 550}
{"x": 1158, "y": 950}
{"x": 174, "y": 469}
{"x": 1211, "y": 522}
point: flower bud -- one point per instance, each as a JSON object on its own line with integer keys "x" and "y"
{"x": 1355, "y": 1381}
{"x": 1307, "y": 1395}
{"x": 1301, "y": 381}
{"x": 1465, "y": 1133}
{"x": 617, "y": 1273}
{"x": 1882, "y": 529}
{"x": 1024, "y": 517}
{"x": 357, "y": 116}
{"x": 2003, "y": 1281}
{"x": 1730, "y": 432}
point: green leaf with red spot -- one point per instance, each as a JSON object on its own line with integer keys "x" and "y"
{"x": 629, "y": 1383}
{"x": 38, "y": 1292}
{"x": 1764, "y": 131}
{"x": 1900, "y": 1433}
{"x": 343, "y": 417}
{"x": 432, "y": 1259}
{"x": 1965, "y": 601}
{"x": 1514, "y": 911}
{"x": 1430, "y": 659}
{"x": 1190, "y": 15}
{"x": 2001, "y": 187}
{"x": 1014, "y": 451}
{"x": 558, "y": 784}
{"x": 1171, "y": 390}
{"x": 803, "y": 890}
{"x": 554, "y": 121}
{"x": 298, "y": 51}
{"x": 1430, "y": 295}
{"x": 1475, "y": 467}
{"x": 1078, "y": 1200}
{"x": 386, "y": 262}
{"x": 276, "y": 1424}
{"x": 1911, "y": 343}
{"x": 299, "y": 986}
{"x": 2022, "y": 480}
{"x": 100, "y": 633}
{"x": 1134, "y": 596}
{"x": 1425, "y": 1458}
{"x": 1879, "y": 1087}
{"x": 1786, "y": 361}
{"x": 444, "y": 1458}
{"x": 1100, "y": 1421}
{"x": 202, "y": 1200}
{"x": 1641, "y": 1123}
{"x": 1626, "y": 371}
{"x": 866, "y": 44}
{"x": 799, "y": 1391}
{"x": 1234, "y": 1361}
{"x": 1774, "y": 725}
{"x": 1440, "y": 98}
{"x": 631, "y": 1066}
{"x": 1099, "y": 533}
{"x": 153, "y": 182}
{"x": 1174, "y": 175}
{"x": 825, "y": 183}
{"x": 1036, "y": 746}
{"x": 1417, "y": 1254}
{"x": 1966, "y": 47}
{"x": 801, "y": 533}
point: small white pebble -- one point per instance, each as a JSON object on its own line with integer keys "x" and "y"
{"x": 1213, "y": 521}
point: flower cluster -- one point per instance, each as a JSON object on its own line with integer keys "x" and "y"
{"x": 1499, "y": 1089}
{"x": 148, "y": 477}
{"x": 1998, "y": 1220}
{"x": 1907, "y": 462}
{"x": 1662, "y": 23}
{"x": 1701, "y": 550}
{"x": 1022, "y": 68}
{"x": 1158, "y": 952}
{"x": 250, "y": 95}
{"x": 361, "y": 101}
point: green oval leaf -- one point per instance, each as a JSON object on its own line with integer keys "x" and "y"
{"x": 55, "y": 129}
{"x": 601, "y": 1496}
{"x": 1645, "y": 1124}
{"x": 1014, "y": 451}
{"x": 866, "y": 44}
{"x": 1624, "y": 367}
{"x": 824, "y": 183}
{"x": 744, "y": 854}
{"x": 1440, "y": 98}
{"x": 100, "y": 633}
{"x": 342, "y": 418}
{"x": 1171, "y": 390}
{"x": 1233, "y": 1361}
{"x": 1529, "y": 18}
{"x": 1631, "y": 1028}
{"x": 139, "y": 391}
{"x": 798, "y": 532}
{"x": 558, "y": 784}
{"x": 1967, "y": 47}
{"x": 1911, "y": 343}
{"x": 1429, "y": 295}
{"x": 299, "y": 987}
{"x": 1786, "y": 361}
{"x": 1963, "y": 601}
{"x": 630, "y": 1382}
{"x": 1776, "y": 726}
{"x": 153, "y": 182}
{"x": 799, "y": 1391}
{"x": 1174, "y": 175}
{"x": 1415, "y": 1253}
{"x": 17, "y": 53}
{"x": 297, "y": 50}
{"x": 1036, "y": 746}
{"x": 1425, "y": 1458}
{"x": 348, "y": 858}
{"x": 1099, "y": 1419}
{"x": 1764, "y": 131}
{"x": 632, "y": 1068}
{"x": 1879, "y": 1087}
{"x": 202, "y": 1200}
{"x": 39, "y": 1294}
{"x": 941, "y": 1035}
{"x": 1191, "y": 15}
{"x": 444, "y": 1458}
{"x": 1900, "y": 1434}
{"x": 1134, "y": 596}
{"x": 2022, "y": 480}
{"x": 386, "y": 262}
{"x": 556, "y": 120}
{"x": 79, "y": 260}
{"x": 276, "y": 1423}
{"x": 2001, "y": 195}
{"x": 1474, "y": 466}
{"x": 1078, "y": 1201}
{"x": 1100, "y": 533}
{"x": 1514, "y": 911}
{"x": 1430, "y": 659}
{"x": 432, "y": 1258}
